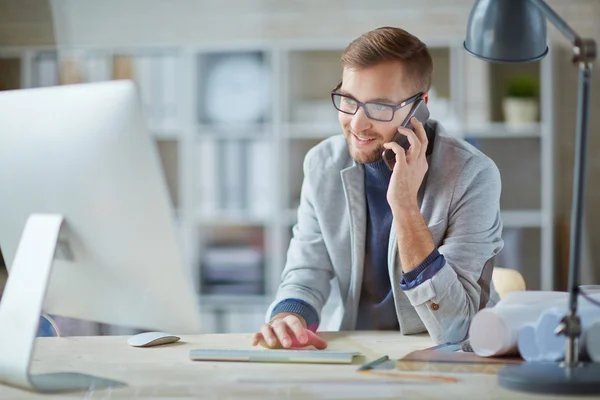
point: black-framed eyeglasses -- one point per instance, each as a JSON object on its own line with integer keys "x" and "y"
{"x": 376, "y": 111}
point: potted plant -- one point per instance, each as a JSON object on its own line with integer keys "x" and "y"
{"x": 521, "y": 104}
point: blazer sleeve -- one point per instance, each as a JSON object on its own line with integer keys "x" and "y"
{"x": 308, "y": 269}
{"x": 447, "y": 302}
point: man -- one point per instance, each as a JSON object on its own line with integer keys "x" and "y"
{"x": 412, "y": 249}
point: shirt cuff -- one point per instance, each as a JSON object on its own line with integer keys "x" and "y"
{"x": 301, "y": 308}
{"x": 424, "y": 271}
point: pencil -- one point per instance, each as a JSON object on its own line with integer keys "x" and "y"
{"x": 374, "y": 363}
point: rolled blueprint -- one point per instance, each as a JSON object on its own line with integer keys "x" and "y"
{"x": 545, "y": 344}
{"x": 591, "y": 339}
{"x": 524, "y": 298}
{"x": 494, "y": 331}
{"x": 526, "y": 342}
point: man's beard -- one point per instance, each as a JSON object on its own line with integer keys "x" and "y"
{"x": 361, "y": 156}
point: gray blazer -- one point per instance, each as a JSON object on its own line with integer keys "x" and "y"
{"x": 459, "y": 200}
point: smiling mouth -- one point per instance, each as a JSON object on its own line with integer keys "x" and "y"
{"x": 363, "y": 140}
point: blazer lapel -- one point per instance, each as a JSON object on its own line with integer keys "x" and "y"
{"x": 353, "y": 181}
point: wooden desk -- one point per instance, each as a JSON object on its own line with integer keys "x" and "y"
{"x": 167, "y": 372}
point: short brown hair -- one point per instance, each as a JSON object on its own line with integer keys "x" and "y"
{"x": 391, "y": 44}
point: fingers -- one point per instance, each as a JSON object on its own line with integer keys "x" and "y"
{"x": 288, "y": 332}
{"x": 269, "y": 336}
{"x": 415, "y": 144}
{"x": 312, "y": 339}
{"x": 421, "y": 135}
{"x": 417, "y": 139}
{"x": 400, "y": 153}
{"x": 316, "y": 341}
{"x": 281, "y": 331}
{"x": 297, "y": 329}
{"x": 260, "y": 338}
{"x": 257, "y": 338}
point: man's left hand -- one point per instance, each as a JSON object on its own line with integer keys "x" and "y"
{"x": 409, "y": 170}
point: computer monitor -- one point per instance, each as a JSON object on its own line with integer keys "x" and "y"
{"x": 86, "y": 225}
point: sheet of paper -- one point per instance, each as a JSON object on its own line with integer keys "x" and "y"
{"x": 453, "y": 362}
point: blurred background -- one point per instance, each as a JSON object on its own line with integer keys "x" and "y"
{"x": 235, "y": 92}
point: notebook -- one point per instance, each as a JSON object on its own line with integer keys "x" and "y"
{"x": 273, "y": 356}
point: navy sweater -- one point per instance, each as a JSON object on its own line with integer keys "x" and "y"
{"x": 376, "y": 308}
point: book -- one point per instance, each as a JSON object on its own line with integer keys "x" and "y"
{"x": 260, "y": 177}
{"x": 46, "y": 70}
{"x": 208, "y": 182}
{"x": 97, "y": 67}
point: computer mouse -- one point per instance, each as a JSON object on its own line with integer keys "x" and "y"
{"x": 149, "y": 339}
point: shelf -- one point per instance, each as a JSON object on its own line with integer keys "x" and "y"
{"x": 165, "y": 135}
{"x": 501, "y": 130}
{"x": 237, "y": 218}
{"x": 233, "y": 131}
{"x": 231, "y": 313}
{"x": 311, "y": 75}
{"x": 223, "y": 301}
{"x": 495, "y": 130}
{"x": 510, "y": 219}
{"x": 309, "y": 130}
{"x": 522, "y": 219}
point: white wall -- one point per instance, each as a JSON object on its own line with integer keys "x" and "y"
{"x": 191, "y": 21}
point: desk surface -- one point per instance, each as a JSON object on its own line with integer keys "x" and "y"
{"x": 167, "y": 372}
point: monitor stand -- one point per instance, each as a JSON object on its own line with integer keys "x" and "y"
{"x": 21, "y": 306}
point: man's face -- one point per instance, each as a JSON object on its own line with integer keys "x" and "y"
{"x": 383, "y": 83}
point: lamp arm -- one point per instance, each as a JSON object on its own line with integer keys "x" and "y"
{"x": 584, "y": 50}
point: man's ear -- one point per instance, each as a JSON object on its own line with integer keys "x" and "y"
{"x": 425, "y": 97}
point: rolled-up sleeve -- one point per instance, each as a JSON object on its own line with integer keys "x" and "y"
{"x": 447, "y": 299}
{"x": 424, "y": 271}
{"x": 300, "y": 307}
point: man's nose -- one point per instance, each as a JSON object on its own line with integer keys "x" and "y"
{"x": 360, "y": 121}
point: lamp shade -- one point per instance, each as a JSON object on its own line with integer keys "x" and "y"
{"x": 506, "y": 31}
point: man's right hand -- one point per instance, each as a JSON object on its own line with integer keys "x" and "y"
{"x": 287, "y": 330}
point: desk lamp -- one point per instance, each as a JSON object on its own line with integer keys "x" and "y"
{"x": 514, "y": 31}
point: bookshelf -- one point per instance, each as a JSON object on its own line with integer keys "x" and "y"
{"x": 232, "y": 146}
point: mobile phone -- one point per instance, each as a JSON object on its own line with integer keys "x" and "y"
{"x": 420, "y": 111}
